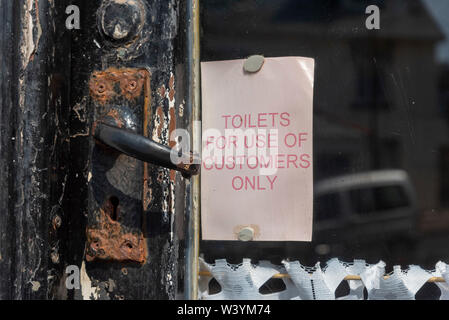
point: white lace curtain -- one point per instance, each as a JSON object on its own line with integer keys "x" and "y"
{"x": 243, "y": 281}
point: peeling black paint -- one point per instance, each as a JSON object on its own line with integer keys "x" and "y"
{"x": 158, "y": 48}
{"x": 33, "y": 134}
{"x": 45, "y": 146}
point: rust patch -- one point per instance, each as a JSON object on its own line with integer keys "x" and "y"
{"x": 172, "y": 175}
{"x": 171, "y": 85}
{"x": 101, "y": 89}
{"x": 130, "y": 81}
{"x": 108, "y": 241}
{"x": 255, "y": 227}
{"x": 108, "y": 238}
{"x": 38, "y": 23}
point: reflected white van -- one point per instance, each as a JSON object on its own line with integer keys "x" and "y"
{"x": 374, "y": 205}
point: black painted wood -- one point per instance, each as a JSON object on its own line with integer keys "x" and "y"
{"x": 45, "y": 148}
{"x": 33, "y": 146}
{"x": 159, "y": 49}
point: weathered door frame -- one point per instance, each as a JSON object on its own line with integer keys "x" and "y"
{"x": 194, "y": 100}
{"x": 44, "y": 139}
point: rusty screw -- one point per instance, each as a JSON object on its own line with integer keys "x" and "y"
{"x": 132, "y": 85}
{"x": 101, "y": 88}
{"x": 121, "y": 20}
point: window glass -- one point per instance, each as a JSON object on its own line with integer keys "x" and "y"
{"x": 381, "y": 116}
{"x": 327, "y": 207}
{"x": 376, "y": 200}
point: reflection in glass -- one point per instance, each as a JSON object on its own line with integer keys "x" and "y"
{"x": 381, "y": 112}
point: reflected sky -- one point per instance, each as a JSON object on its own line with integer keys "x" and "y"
{"x": 439, "y": 9}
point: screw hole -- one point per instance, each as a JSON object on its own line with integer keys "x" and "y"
{"x": 95, "y": 244}
{"x": 132, "y": 85}
{"x": 101, "y": 88}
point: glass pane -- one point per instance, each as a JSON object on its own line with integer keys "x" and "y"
{"x": 372, "y": 200}
{"x": 327, "y": 207}
{"x": 381, "y": 112}
{"x": 390, "y": 197}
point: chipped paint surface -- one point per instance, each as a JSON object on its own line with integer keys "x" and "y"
{"x": 31, "y": 33}
{"x": 164, "y": 125}
{"x": 181, "y": 110}
{"x": 159, "y": 124}
{"x": 50, "y": 129}
{"x": 147, "y": 194}
{"x": 80, "y": 111}
{"x": 111, "y": 285}
{"x": 171, "y": 125}
{"x": 35, "y": 285}
{"x": 88, "y": 291}
{"x": 158, "y": 277}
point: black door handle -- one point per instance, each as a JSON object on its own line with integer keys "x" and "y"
{"x": 142, "y": 148}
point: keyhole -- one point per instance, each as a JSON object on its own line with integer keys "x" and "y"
{"x": 114, "y": 203}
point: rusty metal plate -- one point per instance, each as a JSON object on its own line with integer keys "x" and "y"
{"x": 120, "y": 97}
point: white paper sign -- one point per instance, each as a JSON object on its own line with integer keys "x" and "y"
{"x": 257, "y": 169}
